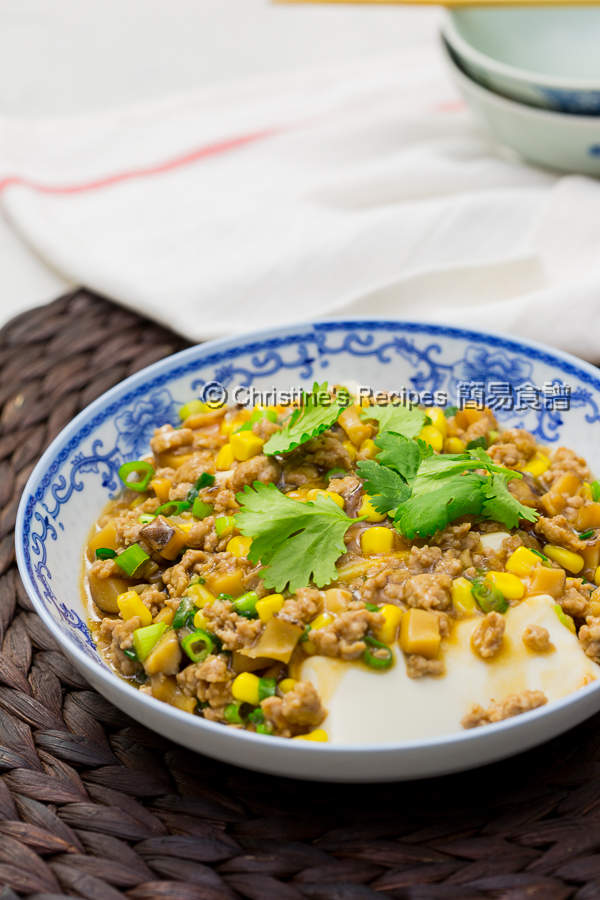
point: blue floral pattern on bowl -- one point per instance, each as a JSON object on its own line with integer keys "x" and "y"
{"x": 79, "y": 472}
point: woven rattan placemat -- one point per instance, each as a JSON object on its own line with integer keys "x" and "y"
{"x": 93, "y": 805}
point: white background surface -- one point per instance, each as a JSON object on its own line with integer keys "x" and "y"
{"x": 83, "y": 56}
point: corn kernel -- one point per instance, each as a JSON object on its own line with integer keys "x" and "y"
{"x": 454, "y": 445}
{"x": 226, "y": 582}
{"x": 351, "y": 449}
{"x": 245, "y": 688}
{"x": 376, "y": 540}
{"x": 317, "y": 735}
{"x": 572, "y": 562}
{"x": 432, "y": 436}
{"x": 321, "y": 621}
{"x": 420, "y": 633}
{"x": 508, "y": 584}
{"x": 165, "y": 615}
{"x": 597, "y": 576}
{"x": 239, "y": 546}
{"x": 586, "y": 491}
{"x": 245, "y": 445}
{"x": 286, "y": 685}
{"x": 368, "y": 510}
{"x": 392, "y": 616}
{"x": 200, "y": 595}
{"x": 224, "y": 458}
{"x": 522, "y": 562}
{"x": 313, "y": 493}
{"x": 438, "y": 419}
{"x": 268, "y": 606}
{"x": 130, "y": 604}
{"x": 537, "y": 465}
{"x": 368, "y": 449}
{"x": 200, "y": 620}
{"x": 161, "y": 487}
{"x": 462, "y": 597}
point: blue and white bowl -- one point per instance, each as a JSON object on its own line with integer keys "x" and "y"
{"x": 543, "y": 56}
{"x": 78, "y": 473}
{"x": 541, "y": 136}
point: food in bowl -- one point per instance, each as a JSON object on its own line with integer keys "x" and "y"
{"x": 276, "y": 570}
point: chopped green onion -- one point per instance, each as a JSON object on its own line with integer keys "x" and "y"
{"x": 586, "y": 535}
{"x": 225, "y": 598}
{"x": 564, "y": 618}
{"x": 193, "y": 408}
{"x": 185, "y": 613}
{"x": 173, "y": 508}
{"x": 372, "y": 607}
{"x": 198, "y": 645}
{"x": 304, "y": 635}
{"x": 144, "y": 470}
{"x": 264, "y": 728}
{"x": 146, "y": 518}
{"x": 131, "y": 559}
{"x": 381, "y": 657}
{"x": 246, "y": 605}
{"x": 256, "y": 716}
{"x": 130, "y": 654}
{"x": 335, "y": 473}
{"x": 200, "y": 509}
{"x": 493, "y": 435}
{"x": 146, "y": 638}
{"x": 595, "y": 488}
{"x": 477, "y": 442}
{"x": 542, "y": 556}
{"x": 205, "y": 480}
{"x": 232, "y": 714}
{"x": 266, "y": 688}
{"x": 488, "y": 597}
{"x": 105, "y": 553}
{"x": 450, "y": 411}
{"x": 224, "y": 525}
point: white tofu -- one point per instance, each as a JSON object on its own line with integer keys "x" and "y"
{"x": 383, "y": 707}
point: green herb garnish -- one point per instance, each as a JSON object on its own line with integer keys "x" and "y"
{"x": 296, "y": 542}
{"x": 595, "y": 488}
{"x": 318, "y": 412}
{"x": 586, "y": 535}
{"x": 429, "y": 491}
{"x": 399, "y": 419}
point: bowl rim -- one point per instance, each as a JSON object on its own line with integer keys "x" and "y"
{"x": 456, "y": 40}
{"x": 294, "y": 749}
{"x": 551, "y": 116}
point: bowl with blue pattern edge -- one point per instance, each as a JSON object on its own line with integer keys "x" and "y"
{"x": 78, "y": 474}
{"x": 542, "y": 56}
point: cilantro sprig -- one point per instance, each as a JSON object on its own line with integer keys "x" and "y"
{"x": 398, "y": 418}
{"x": 425, "y": 492}
{"x": 296, "y": 542}
{"x": 318, "y": 412}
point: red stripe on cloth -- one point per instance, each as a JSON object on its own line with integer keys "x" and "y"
{"x": 177, "y": 162}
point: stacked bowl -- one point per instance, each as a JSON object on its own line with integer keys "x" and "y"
{"x": 533, "y": 75}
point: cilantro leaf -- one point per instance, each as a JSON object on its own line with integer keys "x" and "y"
{"x": 296, "y": 542}
{"x": 400, "y": 454}
{"x": 386, "y": 488}
{"x": 309, "y": 420}
{"x": 435, "y": 502}
{"x": 400, "y": 419}
{"x": 502, "y": 506}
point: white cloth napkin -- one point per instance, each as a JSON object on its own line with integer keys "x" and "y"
{"x": 360, "y": 190}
